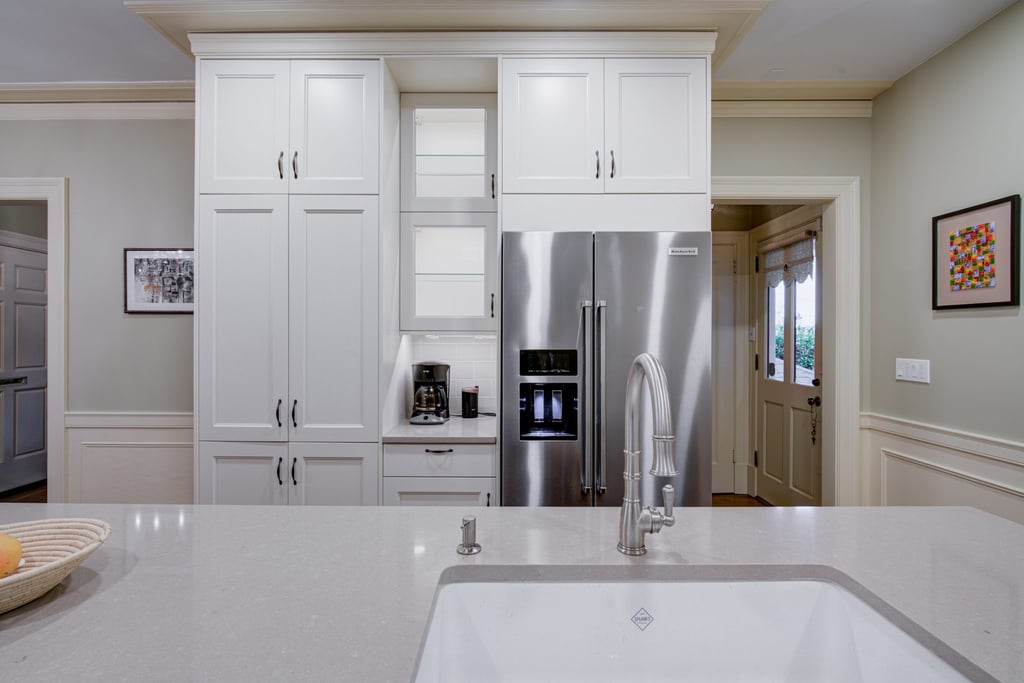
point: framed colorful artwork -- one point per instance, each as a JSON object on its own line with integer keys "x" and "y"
{"x": 976, "y": 256}
{"x": 158, "y": 281}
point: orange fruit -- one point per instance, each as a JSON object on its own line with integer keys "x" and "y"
{"x": 10, "y": 554}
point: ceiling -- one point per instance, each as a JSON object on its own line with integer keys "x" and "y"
{"x": 766, "y": 49}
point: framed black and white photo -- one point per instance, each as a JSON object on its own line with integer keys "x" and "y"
{"x": 159, "y": 280}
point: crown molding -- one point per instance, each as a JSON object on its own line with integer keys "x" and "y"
{"x": 470, "y": 43}
{"x": 176, "y": 20}
{"x": 792, "y": 109}
{"x": 156, "y": 91}
{"x": 65, "y": 111}
{"x": 797, "y": 90}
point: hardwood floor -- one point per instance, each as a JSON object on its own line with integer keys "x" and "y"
{"x": 737, "y": 500}
{"x": 33, "y": 493}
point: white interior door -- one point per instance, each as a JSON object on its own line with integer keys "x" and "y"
{"x": 788, "y": 410}
{"x": 22, "y": 362}
{"x": 552, "y": 125}
{"x": 725, "y": 327}
{"x": 656, "y": 125}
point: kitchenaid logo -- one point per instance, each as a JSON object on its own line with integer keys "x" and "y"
{"x": 642, "y": 619}
{"x": 682, "y": 251}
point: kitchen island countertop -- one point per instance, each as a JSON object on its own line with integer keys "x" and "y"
{"x": 203, "y": 593}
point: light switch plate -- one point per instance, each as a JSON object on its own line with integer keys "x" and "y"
{"x": 913, "y": 370}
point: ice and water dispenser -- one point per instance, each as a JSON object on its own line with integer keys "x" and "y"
{"x": 548, "y": 409}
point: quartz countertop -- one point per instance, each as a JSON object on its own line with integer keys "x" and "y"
{"x": 483, "y": 429}
{"x": 244, "y": 593}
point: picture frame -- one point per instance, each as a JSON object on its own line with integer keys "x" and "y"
{"x": 159, "y": 280}
{"x": 976, "y": 256}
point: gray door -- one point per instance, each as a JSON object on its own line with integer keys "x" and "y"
{"x": 653, "y": 293}
{"x": 22, "y": 366}
{"x": 546, "y": 282}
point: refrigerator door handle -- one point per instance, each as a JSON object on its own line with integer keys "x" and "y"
{"x": 600, "y": 393}
{"x": 586, "y": 474}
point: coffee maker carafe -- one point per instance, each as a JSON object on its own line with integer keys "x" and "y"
{"x": 430, "y": 393}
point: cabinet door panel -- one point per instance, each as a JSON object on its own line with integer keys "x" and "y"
{"x": 656, "y": 125}
{"x": 552, "y": 125}
{"x": 333, "y": 319}
{"x": 332, "y": 473}
{"x": 242, "y": 276}
{"x": 439, "y": 491}
{"x": 243, "y": 473}
{"x": 243, "y": 126}
{"x": 449, "y": 271}
{"x": 334, "y": 126}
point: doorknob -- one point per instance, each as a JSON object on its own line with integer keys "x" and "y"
{"x": 814, "y": 401}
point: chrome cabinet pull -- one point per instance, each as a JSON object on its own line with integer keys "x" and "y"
{"x": 602, "y": 367}
{"x": 280, "y": 166}
{"x": 586, "y": 474}
{"x": 294, "y": 482}
{"x": 295, "y": 165}
{"x": 613, "y": 162}
{"x": 433, "y": 450}
{"x": 597, "y": 154}
{"x": 280, "y": 481}
{"x": 295, "y": 403}
{"x": 277, "y": 413}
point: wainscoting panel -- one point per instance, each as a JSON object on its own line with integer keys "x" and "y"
{"x": 128, "y": 458}
{"x": 911, "y": 463}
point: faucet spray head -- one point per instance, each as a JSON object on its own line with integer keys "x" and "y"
{"x": 664, "y": 457}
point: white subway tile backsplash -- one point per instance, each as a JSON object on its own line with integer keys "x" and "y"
{"x": 473, "y": 362}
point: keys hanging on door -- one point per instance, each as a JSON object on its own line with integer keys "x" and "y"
{"x": 814, "y": 402}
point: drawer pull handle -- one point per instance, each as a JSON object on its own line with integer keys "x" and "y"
{"x": 488, "y": 500}
{"x": 432, "y": 450}
{"x": 294, "y": 482}
{"x": 280, "y": 481}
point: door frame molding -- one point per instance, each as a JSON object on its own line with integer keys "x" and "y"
{"x": 841, "y": 477}
{"x": 53, "y": 191}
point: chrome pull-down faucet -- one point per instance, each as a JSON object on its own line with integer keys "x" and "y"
{"x": 635, "y": 521}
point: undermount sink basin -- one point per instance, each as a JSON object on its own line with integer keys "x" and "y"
{"x": 668, "y": 624}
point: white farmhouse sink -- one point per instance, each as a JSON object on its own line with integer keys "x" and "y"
{"x": 528, "y": 624}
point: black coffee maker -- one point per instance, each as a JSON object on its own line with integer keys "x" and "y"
{"x": 429, "y": 393}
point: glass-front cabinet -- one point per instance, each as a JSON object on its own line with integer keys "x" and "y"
{"x": 449, "y": 152}
{"x": 449, "y": 262}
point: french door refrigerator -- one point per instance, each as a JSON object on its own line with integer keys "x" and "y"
{"x": 577, "y": 308}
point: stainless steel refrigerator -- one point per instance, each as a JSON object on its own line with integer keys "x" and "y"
{"x": 577, "y": 308}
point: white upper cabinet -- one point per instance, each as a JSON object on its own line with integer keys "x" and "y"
{"x": 552, "y": 125}
{"x": 449, "y": 264}
{"x": 449, "y": 152}
{"x": 280, "y": 126}
{"x": 655, "y": 118}
{"x": 604, "y": 125}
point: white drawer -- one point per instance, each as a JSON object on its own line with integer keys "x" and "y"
{"x": 439, "y": 460}
{"x": 441, "y": 491}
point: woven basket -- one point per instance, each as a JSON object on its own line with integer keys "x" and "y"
{"x": 51, "y": 549}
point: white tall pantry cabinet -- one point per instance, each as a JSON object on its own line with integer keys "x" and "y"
{"x": 287, "y": 312}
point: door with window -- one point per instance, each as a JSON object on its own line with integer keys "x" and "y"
{"x": 788, "y": 416}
